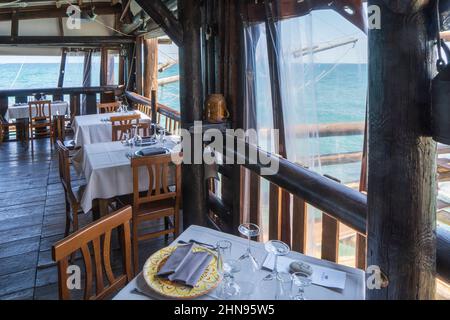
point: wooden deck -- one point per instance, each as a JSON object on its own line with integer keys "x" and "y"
{"x": 32, "y": 217}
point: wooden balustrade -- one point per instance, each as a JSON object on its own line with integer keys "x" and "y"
{"x": 166, "y": 117}
{"x": 75, "y": 93}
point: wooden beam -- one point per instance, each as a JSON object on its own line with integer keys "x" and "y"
{"x": 50, "y": 11}
{"x": 150, "y": 66}
{"x": 66, "y": 41}
{"x": 191, "y": 107}
{"x": 163, "y": 17}
{"x": 402, "y": 159}
{"x": 299, "y": 225}
{"x": 14, "y": 26}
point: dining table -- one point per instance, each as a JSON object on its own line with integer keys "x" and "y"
{"x": 21, "y": 110}
{"x": 96, "y": 128}
{"x": 106, "y": 167}
{"x": 353, "y": 289}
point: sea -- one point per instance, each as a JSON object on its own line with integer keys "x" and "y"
{"x": 340, "y": 97}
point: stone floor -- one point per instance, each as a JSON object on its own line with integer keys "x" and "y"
{"x": 32, "y": 219}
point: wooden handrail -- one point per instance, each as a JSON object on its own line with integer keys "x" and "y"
{"x": 57, "y": 91}
{"x": 338, "y": 201}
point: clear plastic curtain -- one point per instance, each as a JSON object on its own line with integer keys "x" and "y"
{"x": 258, "y": 108}
{"x": 323, "y": 80}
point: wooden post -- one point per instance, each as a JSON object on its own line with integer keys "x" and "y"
{"x": 138, "y": 53}
{"x": 402, "y": 160}
{"x": 88, "y": 106}
{"x": 150, "y": 66}
{"x": 191, "y": 106}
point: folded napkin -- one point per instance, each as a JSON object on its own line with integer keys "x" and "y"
{"x": 152, "y": 151}
{"x": 185, "y": 266}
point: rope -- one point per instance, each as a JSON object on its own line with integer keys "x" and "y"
{"x": 17, "y": 76}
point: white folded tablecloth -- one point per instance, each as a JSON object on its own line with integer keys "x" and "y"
{"x": 91, "y": 129}
{"x": 22, "y": 111}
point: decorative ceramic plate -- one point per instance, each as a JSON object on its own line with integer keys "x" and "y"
{"x": 208, "y": 280}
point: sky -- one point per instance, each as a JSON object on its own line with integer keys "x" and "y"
{"x": 327, "y": 25}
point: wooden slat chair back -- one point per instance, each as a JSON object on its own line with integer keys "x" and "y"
{"x": 108, "y": 107}
{"x": 122, "y": 124}
{"x": 40, "y": 116}
{"x": 158, "y": 200}
{"x": 40, "y": 110}
{"x": 71, "y": 198}
{"x": 96, "y": 235}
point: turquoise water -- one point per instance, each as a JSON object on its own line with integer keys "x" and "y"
{"x": 340, "y": 97}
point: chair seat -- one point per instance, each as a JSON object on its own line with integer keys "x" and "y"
{"x": 161, "y": 208}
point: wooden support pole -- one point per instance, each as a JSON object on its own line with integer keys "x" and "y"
{"x": 88, "y": 106}
{"x": 139, "y": 69}
{"x": 402, "y": 160}
{"x": 191, "y": 106}
{"x": 150, "y": 66}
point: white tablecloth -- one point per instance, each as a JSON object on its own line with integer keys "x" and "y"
{"x": 108, "y": 172}
{"x": 91, "y": 129}
{"x": 354, "y": 284}
{"x": 21, "y": 110}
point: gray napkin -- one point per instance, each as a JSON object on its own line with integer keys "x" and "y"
{"x": 185, "y": 266}
{"x": 152, "y": 151}
{"x": 174, "y": 260}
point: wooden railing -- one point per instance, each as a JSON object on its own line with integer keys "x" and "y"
{"x": 167, "y": 117}
{"x": 339, "y": 203}
{"x": 75, "y": 94}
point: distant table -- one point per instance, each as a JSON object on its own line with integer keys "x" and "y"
{"x": 107, "y": 171}
{"x": 20, "y": 111}
{"x": 354, "y": 285}
{"x": 91, "y": 129}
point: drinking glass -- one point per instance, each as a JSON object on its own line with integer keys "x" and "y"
{"x": 300, "y": 280}
{"x": 227, "y": 267}
{"x": 125, "y": 138}
{"x": 137, "y": 138}
{"x": 277, "y": 248}
{"x": 162, "y": 136}
{"x": 284, "y": 286}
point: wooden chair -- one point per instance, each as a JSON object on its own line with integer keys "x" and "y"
{"x": 40, "y": 115}
{"x": 108, "y": 107}
{"x": 93, "y": 234}
{"x": 122, "y": 124}
{"x": 72, "y": 197}
{"x": 159, "y": 201}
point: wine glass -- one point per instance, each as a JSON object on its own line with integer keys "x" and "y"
{"x": 249, "y": 230}
{"x": 300, "y": 280}
{"x": 277, "y": 248}
{"x": 227, "y": 267}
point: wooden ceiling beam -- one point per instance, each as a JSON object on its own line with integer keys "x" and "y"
{"x": 164, "y": 18}
{"x": 45, "y": 12}
{"x": 95, "y": 41}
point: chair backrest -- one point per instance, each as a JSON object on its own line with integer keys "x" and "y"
{"x": 108, "y": 107}
{"x": 92, "y": 235}
{"x": 122, "y": 124}
{"x": 64, "y": 169}
{"x": 39, "y": 110}
{"x": 157, "y": 168}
